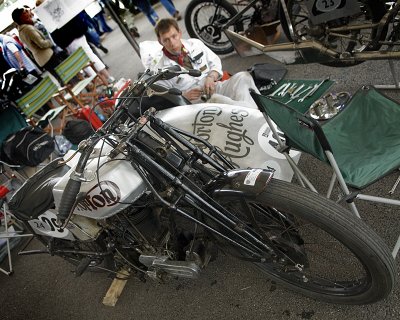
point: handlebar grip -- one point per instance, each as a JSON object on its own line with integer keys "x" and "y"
{"x": 68, "y": 198}
{"x": 194, "y": 73}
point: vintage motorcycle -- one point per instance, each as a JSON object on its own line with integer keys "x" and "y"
{"x": 163, "y": 202}
{"x": 333, "y": 32}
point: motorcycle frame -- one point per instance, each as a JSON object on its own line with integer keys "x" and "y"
{"x": 209, "y": 208}
{"x": 315, "y": 49}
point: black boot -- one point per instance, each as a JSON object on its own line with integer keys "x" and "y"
{"x": 104, "y": 49}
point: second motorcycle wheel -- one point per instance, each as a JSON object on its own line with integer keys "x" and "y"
{"x": 204, "y": 20}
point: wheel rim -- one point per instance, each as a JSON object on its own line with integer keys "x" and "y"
{"x": 207, "y": 23}
{"x": 306, "y": 256}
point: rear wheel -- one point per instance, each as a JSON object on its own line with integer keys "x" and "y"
{"x": 321, "y": 249}
{"x": 204, "y": 20}
{"x": 342, "y": 41}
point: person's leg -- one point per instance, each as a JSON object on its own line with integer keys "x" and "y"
{"x": 102, "y": 22}
{"x": 237, "y": 88}
{"x": 219, "y": 98}
{"x": 51, "y": 64}
{"x": 169, "y": 6}
{"x": 148, "y": 10}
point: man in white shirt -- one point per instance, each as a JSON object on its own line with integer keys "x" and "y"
{"x": 193, "y": 54}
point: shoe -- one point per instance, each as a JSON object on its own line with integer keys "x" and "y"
{"x": 104, "y": 49}
{"x": 134, "y": 31}
{"x": 177, "y": 16}
{"x": 111, "y": 80}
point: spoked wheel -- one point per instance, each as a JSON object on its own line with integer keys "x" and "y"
{"x": 204, "y": 20}
{"x": 341, "y": 41}
{"x": 320, "y": 249}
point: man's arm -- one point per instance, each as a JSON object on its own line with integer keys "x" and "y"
{"x": 17, "y": 55}
{"x": 37, "y": 38}
{"x": 13, "y": 48}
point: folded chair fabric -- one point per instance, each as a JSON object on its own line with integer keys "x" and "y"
{"x": 364, "y": 138}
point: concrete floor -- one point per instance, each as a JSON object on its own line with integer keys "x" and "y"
{"x": 43, "y": 287}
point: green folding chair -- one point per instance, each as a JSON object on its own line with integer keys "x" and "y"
{"x": 85, "y": 90}
{"x": 361, "y": 143}
{"x": 41, "y": 94}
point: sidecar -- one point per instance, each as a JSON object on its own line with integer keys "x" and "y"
{"x": 241, "y": 134}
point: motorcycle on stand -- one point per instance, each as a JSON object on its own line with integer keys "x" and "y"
{"x": 338, "y": 33}
{"x": 161, "y": 201}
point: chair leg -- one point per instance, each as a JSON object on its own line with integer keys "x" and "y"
{"x": 75, "y": 98}
{"x": 341, "y": 181}
{"x": 331, "y": 185}
{"x": 396, "y": 248}
{"x": 62, "y": 101}
{"x": 301, "y": 177}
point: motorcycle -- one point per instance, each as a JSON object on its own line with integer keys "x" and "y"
{"x": 338, "y": 33}
{"x": 163, "y": 202}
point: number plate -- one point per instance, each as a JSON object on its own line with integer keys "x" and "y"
{"x": 326, "y": 10}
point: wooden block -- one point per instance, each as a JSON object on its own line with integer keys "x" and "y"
{"x": 116, "y": 288}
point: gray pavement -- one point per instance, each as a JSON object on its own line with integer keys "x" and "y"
{"x": 43, "y": 287}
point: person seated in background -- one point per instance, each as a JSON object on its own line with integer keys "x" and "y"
{"x": 193, "y": 54}
{"x": 40, "y": 47}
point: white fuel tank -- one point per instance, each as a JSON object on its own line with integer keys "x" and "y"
{"x": 112, "y": 186}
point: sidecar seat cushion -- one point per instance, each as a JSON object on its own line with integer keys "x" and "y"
{"x": 36, "y": 194}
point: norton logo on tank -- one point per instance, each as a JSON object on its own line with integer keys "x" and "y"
{"x": 104, "y": 194}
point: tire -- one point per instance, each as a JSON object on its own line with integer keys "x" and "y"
{"x": 371, "y": 11}
{"x": 321, "y": 250}
{"x": 204, "y": 19}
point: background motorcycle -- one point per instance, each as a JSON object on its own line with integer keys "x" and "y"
{"x": 335, "y": 32}
{"x": 150, "y": 197}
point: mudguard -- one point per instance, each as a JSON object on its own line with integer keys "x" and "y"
{"x": 249, "y": 182}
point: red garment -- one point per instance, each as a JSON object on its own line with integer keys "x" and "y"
{"x": 18, "y": 40}
{"x": 182, "y": 59}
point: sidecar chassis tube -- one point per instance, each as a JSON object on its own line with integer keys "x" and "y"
{"x": 229, "y": 219}
{"x": 188, "y": 216}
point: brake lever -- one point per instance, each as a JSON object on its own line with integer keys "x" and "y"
{"x": 151, "y": 92}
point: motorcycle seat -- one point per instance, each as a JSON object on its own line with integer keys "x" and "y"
{"x": 36, "y": 194}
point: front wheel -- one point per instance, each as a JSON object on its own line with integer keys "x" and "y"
{"x": 204, "y": 20}
{"x": 320, "y": 249}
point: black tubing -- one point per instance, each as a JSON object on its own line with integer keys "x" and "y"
{"x": 68, "y": 198}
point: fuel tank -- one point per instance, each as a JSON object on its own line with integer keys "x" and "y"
{"x": 110, "y": 186}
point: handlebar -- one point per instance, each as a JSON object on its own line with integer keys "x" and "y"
{"x": 162, "y": 74}
{"x": 73, "y": 186}
{"x": 71, "y": 191}
{"x": 70, "y": 195}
